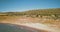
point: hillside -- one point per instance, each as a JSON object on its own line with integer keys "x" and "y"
{"x": 44, "y": 11}
{"x": 55, "y": 13}
{"x": 38, "y": 11}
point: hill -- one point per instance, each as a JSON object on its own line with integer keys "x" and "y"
{"x": 55, "y": 12}
{"x": 36, "y": 12}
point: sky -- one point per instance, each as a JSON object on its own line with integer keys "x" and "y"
{"x": 24, "y": 5}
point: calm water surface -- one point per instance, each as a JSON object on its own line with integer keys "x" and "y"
{"x": 5, "y": 27}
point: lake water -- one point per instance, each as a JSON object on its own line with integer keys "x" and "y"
{"x": 5, "y": 27}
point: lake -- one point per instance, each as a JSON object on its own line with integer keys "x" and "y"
{"x": 6, "y": 27}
